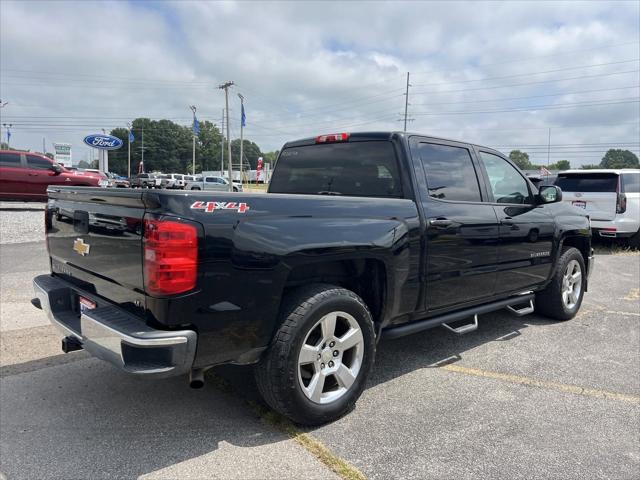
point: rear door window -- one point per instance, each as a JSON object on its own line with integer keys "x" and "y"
{"x": 34, "y": 161}
{"x": 361, "y": 169}
{"x": 450, "y": 173}
{"x": 588, "y": 182}
{"x": 8, "y": 159}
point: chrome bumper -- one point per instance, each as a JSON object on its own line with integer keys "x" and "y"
{"x": 114, "y": 335}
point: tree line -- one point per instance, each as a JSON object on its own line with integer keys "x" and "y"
{"x": 614, "y": 158}
{"x": 168, "y": 147}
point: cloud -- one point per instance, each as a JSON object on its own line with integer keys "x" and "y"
{"x": 71, "y": 68}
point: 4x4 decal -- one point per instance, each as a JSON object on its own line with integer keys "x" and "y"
{"x": 210, "y": 207}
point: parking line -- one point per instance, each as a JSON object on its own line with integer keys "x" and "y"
{"x": 315, "y": 447}
{"x": 532, "y": 382}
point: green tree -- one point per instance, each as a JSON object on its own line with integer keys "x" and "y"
{"x": 521, "y": 159}
{"x": 250, "y": 151}
{"x": 168, "y": 147}
{"x": 617, "y": 158}
{"x": 560, "y": 165}
{"x": 83, "y": 164}
{"x": 590, "y": 166}
{"x": 271, "y": 157}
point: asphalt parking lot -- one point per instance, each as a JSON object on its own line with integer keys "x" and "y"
{"x": 522, "y": 397}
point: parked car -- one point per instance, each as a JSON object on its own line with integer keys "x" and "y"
{"x": 220, "y": 184}
{"x": 611, "y": 198}
{"x": 172, "y": 181}
{"x": 117, "y": 181}
{"x": 145, "y": 180}
{"x": 359, "y": 237}
{"x": 26, "y": 176}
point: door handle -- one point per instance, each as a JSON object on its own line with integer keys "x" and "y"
{"x": 440, "y": 222}
{"x": 507, "y": 221}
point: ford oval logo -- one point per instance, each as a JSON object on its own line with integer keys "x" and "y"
{"x": 103, "y": 142}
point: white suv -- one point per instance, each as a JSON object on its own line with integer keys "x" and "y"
{"x": 610, "y": 197}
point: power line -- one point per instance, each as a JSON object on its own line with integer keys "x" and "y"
{"x": 527, "y": 59}
{"x": 528, "y": 73}
{"x": 526, "y": 83}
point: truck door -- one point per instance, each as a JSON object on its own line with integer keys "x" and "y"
{"x": 461, "y": 232}
{"x": 526, "y": 229}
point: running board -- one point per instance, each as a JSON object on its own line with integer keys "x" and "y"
{"x": 471, "y": 327}
{"x": 420, "y": 325}
{"x": 522, "y": 311}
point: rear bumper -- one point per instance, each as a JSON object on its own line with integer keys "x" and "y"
{"x": 114, "y": 335}
{"x": 622, "y": 226}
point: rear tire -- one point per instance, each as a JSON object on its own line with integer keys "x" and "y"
{"x": 561, "y": 299}
{"x": 634, "y": 240}
{"x": 319, "y": 360}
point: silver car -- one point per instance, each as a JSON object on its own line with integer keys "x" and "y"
{"x": 213, "y": 183}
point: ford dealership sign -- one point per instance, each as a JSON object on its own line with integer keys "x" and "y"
{"x": 103, "y": 142}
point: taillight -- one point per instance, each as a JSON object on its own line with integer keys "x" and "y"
{"x": 333, "y": 137}
{"x": 621, "y": 203}
{"x": 170, "y": 256}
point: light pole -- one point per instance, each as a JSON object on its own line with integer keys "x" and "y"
{"x": 241, "y": 131}
{"x": 193, "y": 130}
{"x": 225, "y": 86}
{"x": 8, "y": 126}
{"x": 129, "y": 151}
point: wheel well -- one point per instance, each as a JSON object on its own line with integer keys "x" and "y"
{"x": 579, "y": 242}
{"x": 364, "y": 277}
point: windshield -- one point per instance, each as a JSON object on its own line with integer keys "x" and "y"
{"x": 363, "y": 169}
{"x": 588, "y": 182}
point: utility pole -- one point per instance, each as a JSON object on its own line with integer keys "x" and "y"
{"x": 225, "y": 86}
{"x": 406, "y": 103}
{"x": 222, "y": 143}
{"x": 142, "y": 148}
{"x": 549, "y": 148}
{"x": 193, "y": 130}
{"x": 241, "y": 132}
{"x": 44, "y": 148}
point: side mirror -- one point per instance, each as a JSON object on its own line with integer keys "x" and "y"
{"x": 56, "y": 169}
{"x": 550, "y": 194}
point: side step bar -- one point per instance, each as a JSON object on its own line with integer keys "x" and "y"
{"x": 464, "y": 328}
{"x": 522, "y": 311}
{"x": 420, "y": 325}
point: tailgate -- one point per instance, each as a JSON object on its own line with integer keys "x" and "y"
{"x": 597, "y": 193}
{"x": 95, "y": 240}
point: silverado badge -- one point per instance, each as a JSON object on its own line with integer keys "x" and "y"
{"x": 81, "y": 247}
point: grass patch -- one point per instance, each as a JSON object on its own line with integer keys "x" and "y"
{"x": 316, "y": 448}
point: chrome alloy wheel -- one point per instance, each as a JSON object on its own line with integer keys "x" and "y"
{"x": 571, "y": 284}
{"x": 330, "y": 357}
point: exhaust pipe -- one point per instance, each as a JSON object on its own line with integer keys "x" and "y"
{"x": 196, "y": 378}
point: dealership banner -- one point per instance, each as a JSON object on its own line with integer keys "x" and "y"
{"x": 62, "y": 153}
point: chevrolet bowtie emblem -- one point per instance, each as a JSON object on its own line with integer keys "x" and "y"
{"x": 81, "y": 247}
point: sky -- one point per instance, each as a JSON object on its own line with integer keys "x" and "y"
{"x": 502, "y": 74}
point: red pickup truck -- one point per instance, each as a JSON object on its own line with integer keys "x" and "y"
{"x": 26, "y": 176}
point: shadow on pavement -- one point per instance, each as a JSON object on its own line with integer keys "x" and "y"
{"x": 88, "y": 420}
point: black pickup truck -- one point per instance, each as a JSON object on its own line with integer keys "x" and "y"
{"x": 360, "y": 237}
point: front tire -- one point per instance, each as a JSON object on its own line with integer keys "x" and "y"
{"x": 319, "y": 360}
{"x": 561, "y": 299}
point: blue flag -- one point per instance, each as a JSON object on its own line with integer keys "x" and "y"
{"x": 131, "y": 137}
{"x": 196, "y": 126}
{"x": 243, "y": 120}
{"x": 8, "y": 135}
